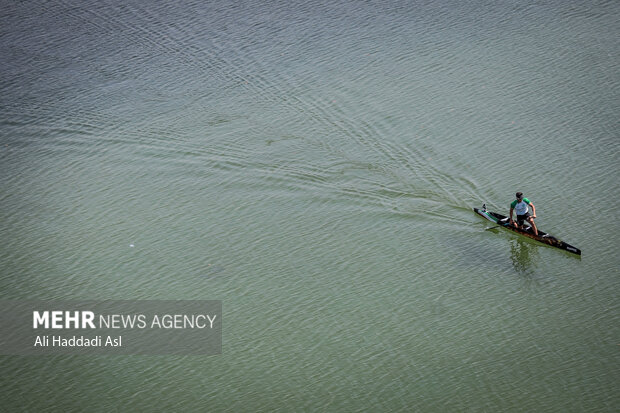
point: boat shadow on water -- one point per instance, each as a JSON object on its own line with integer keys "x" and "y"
{"x": 523, "y": 255}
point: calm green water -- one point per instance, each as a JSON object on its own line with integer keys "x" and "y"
{"x": 313, "y": 165}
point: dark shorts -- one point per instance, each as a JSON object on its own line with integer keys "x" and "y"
{"x": 521, "y": 218}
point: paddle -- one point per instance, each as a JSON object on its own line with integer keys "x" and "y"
{"x": 501, "y": 225}
{"x": 505, "y": 224}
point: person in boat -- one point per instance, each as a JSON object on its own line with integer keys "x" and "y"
{"x": 520, "y": 206}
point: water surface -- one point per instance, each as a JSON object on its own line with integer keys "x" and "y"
{"x": 313, "y": 165}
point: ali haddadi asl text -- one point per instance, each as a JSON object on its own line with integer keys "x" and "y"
{"x": 78, "y": 341}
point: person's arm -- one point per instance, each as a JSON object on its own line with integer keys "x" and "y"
{"x": 510, "y": 215}
{"x": 533, "y": 210}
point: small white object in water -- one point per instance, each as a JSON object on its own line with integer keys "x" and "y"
{"x": 131, "y": 245}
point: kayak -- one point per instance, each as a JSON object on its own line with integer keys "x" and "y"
{"x": 527, "y": 231}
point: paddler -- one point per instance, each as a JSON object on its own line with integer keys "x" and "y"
{"x": 520, "y": 206}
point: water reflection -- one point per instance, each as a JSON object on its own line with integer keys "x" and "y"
{"x": 523, "y": 255}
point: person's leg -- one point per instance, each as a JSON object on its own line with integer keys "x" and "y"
{"x": 531, "y": 221}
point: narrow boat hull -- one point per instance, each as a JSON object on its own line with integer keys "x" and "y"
{"x": 543, "y": 237}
